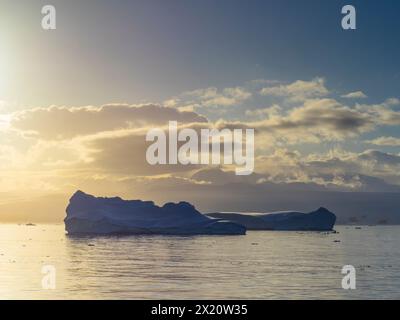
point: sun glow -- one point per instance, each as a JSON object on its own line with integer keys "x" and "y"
{"x": 5, "y": 119}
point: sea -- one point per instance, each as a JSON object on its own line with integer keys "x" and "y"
{"x": 43, "y": 262}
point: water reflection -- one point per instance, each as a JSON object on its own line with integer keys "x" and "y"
{"x": 259, "y": 265}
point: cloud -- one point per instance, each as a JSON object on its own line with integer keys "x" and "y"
{"x": 217, "y": 175}
{"x": 392, "y": 102}
{"x": 272, "y": 111}
{"x": 112, "y": 138}
{"x": 56, "y": 123}
{"x": 324, "y": 115}
{"x": 385, "y": 141}
{"x": 212, "y": 97}
{"x": 384, "y": 116}
{"x": 316, "y": 120}
{"x": 228, "y": 97}
{"x": 322, "y": 120}
{"x": 370, "y": 170}
{"x": 4, "y": 122}
{"x": 355, "y": 95}
{"x": 379, "y": 158}
{"x": 124, "y": 152}
{"x": 102, "y": 149}
{"x": 299, "y": 90}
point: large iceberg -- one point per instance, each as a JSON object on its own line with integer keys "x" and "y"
{"x": 318, "y": 220}
{"x": 87, "y": 214}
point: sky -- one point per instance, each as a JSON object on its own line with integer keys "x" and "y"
{"x": 76, "y": 102}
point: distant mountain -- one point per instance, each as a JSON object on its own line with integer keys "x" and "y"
{"x": 350, "y": 207}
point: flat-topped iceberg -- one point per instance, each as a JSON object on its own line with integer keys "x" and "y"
{"x": 87, "y": 214}
{"x": 319, "y": 220}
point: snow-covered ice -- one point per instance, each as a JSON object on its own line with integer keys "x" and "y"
{"x": 87, "y": 214}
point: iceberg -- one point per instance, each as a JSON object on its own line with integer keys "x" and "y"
{"x": 87, "y": 214}
{"x": 318, "y": 220}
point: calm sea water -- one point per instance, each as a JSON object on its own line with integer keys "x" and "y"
{"x": 261, "y": 265}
